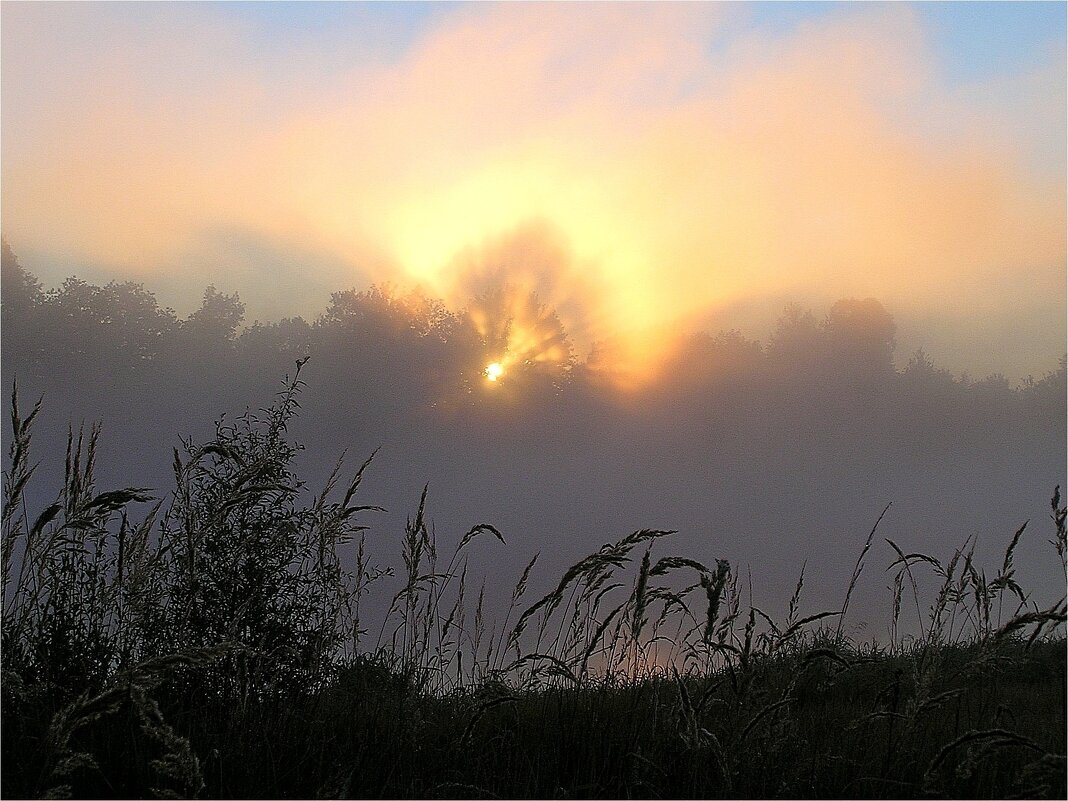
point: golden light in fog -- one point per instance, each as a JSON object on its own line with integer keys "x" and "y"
{"x": 494, "y": 370}
{"x": 599, "y": 154}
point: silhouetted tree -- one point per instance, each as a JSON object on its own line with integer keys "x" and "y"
{"x": 797, "y": 340}
{"x": 290, "y": 337}
{"x": 385, "y": 314}
{"x": 725, "y": 357}
{"x": 115, "y": 329}
{"x": 217, "y": 319}
{"x": 812, "y": 427}
{"x": 519, "y": 330}
{"x": 1049, "y": 392}
{"x": 861, "y": 337}
{"x": 21, "y": 290}
{"x": 921, "y": 371}
{"x": 19, "y": 311}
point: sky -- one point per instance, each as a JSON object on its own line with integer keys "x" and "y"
{"x": 649, "y": 169}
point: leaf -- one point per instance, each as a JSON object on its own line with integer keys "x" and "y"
{"x": 479, "y": 529}
{"x": 45, "y": 518}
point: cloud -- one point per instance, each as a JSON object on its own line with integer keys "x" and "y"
{"x": 665, "y": 169}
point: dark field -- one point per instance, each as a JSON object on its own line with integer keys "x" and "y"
{"x": 211, "y": 644}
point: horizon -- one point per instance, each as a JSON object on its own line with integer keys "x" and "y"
{"x": 813, "y": 250}
{"x": 649, "y": 170}
{"x": 575, "y": 358}
{"x": 534, "y": 399}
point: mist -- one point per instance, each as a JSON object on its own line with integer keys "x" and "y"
{"x": 767, "y": 453}
{"x": 684, "y": 167}
{"x": 519, "y": 400}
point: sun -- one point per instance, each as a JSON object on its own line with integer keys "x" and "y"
{"x": 494, "y": 370}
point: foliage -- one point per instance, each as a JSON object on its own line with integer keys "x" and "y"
{"x": 211, "y": 642}
{"x": 67, "y": 337}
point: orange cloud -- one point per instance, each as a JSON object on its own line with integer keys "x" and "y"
{"x": 600, "y": 153}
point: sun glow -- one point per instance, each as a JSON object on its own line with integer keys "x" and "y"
{"x": 626, "y": 161}
{"x": 494, "y": 370}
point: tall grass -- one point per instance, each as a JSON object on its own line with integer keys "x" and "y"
{"x": 214, "y": 641}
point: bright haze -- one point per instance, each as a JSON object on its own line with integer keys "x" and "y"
{"x": 585, "y": 187}
{"x": 680, "y": 164}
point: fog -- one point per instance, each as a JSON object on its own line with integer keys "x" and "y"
{"x": 674, "y": 167}
{"x": 766, "y": 453}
